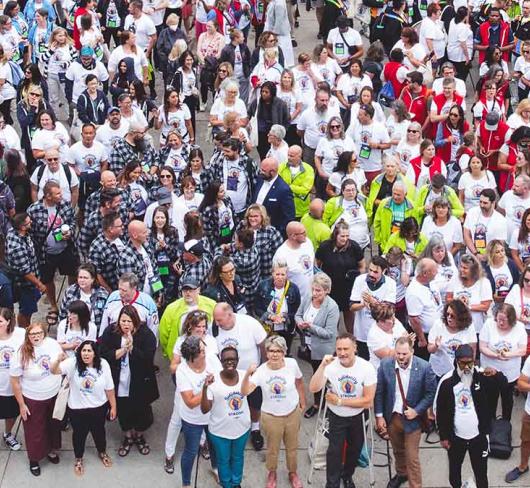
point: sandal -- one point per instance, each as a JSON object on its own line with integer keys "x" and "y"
{"x": 105, "y": 459}
{"x": 143, "y": 447}
{"x": 169, "y": 465}
{"x": 310, "y": 412}
{"x": 52, "y": 317}
{"x": 205, "y": 451}
{"x": 125, "y": 447}
{"x": 79, "y": 469}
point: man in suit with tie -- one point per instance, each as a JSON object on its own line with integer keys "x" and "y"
{"x": 406, "y": 386}
{"x": 275, "y": 195}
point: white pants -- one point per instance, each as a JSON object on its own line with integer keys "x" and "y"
{"x": 56, "y": 94}
{"x": 173, "y": 428}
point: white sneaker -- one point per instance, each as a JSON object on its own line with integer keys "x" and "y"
{"x": 11, "y": 441}
{"x": 202, "y": 107}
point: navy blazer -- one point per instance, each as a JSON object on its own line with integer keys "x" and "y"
{"x": 279, "y": 203}
{"x": 419, "y": 396}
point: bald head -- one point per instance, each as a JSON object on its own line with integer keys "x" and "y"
{"x": 316, "y": 208}
{"x": 426, "y": 270}
{"x": 137, "y": 232}
{"x": 108, "y": 180}
{"x": 296, "y": 234}
{"x": 269, "y": 168}
{"x": 294, "y": 155}
{"x": 223, "y": 315}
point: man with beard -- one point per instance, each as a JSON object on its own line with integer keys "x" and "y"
{"x": 514, "y": 202}
{"x": 405, "y": 390}
{"x": 112, "y": 130}
{"x": 463, "y": 416}
{"x": 274, "y": 194}
{"x": 133, "y": 146}
{"x": 313, "y": 123}
{"x": 352, "y": 389}
{"x": 368, "y": 290}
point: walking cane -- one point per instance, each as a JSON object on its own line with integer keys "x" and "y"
{"x": 197, "y": 467}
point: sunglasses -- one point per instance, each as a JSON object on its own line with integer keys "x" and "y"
{"x": 454, "y": 115}
{"x": 412, "y": 131}
{"x": 335, "y": 126}
{"x": 35, "y": 94}
{"x": 166, "y": 176}
{"x": 52, "y": 159}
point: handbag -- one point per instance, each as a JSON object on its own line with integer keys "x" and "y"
{"x": 61, "y": 401}
{"x": 424, "y": 420}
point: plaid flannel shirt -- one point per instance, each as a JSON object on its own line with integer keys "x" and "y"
{"x": 39, "y": 225}
{"x": 123, "y": 152}
{"x": 98, "y": 298}
{"x": 200, "y": 270}
{"x": 132, "y": 261}
{"x": 210, "y": 222}
{"x": 92, "y": 202}
{"x": 21, "y": 257}
{"x": 267, "y": 240}
{"x": 248, "y": 269}
{"x": 104, "y": 255}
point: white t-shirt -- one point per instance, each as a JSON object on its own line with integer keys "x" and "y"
{"x": 514, "y": 207}
{"x": 451, "y": 232}
{"x": 57, "y": 138}
{"x": 521, "y": 309}
{"x": 8, "y": 350}
{"x": 124, "y": 382}
{"x": 327, "y": 72}
{"x": 87, "y": 390}
{"x": 351, "y": 86}
{"x": 442, "y": 361}
{"x": 379, "y": 339}
{"x": 424, "y": 302}
{"x": 211, "y": 344}
{"x": 109, "y": 136}
{"x": 379, "y": 115}
{"x": 407, "y": 152}
{"x": 433, "y": 30}
{"x": 174, "y": 120}
{"x": 459, "y": 33}
{"x": 143, "y": 27}
{"x": 526, "y": 372}
{"x": 337, "y": 178}
{"x": 355, "y": 216}
{"x": 60, "y": 177}
{"x": 485, "y": 229}
{"x": 66, "y": 335}
{"x": 280, "y": 396}
{"x": 349, "y": 383}
{"x": 246, "y": 336}
{"x": 418, "y": 52}
{"x": 139, "y": 59}
{"x": 230, "y": 414}
{"x": 300, "y": 264}
{"x": 77, "y": 74}
{"x": 466, "y": 419}
{"x": 523, "y": 67}
{"x": 437, "y": 86}
{"x": 36, "y": 379}
{"x": 502, "y": 278}
{"x": 7, "y": 91}
{"x": 315, "y": 124}
{"x": 479, "y": 292}
{"x": 87, "y": 159}
{"x": 522, "y": 247}
{"x": 219, "y": 109}
{"x": 330, "y": 150}
{"x": 189, "y": 380}
{"x": 516, "y": 338}
{"x": 363, "y": 318}
{"x": 473, "y": 187}
{"x": 369, "y": 158}
{"x": 340, "y": 42}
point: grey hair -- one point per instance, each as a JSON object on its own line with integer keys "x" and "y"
{"x": 435, "y": 242}
{"x": 278, "y": 131}
{"x": 390, "y": 157}
{"x": 191, "y": 348}
{"x": 322, "y": 280}
{"x": 399, "y": 185}
{"x": 276, "y": 340}
{"x": 525, "y": 179}
{"x": 231, "y": 84}
{"x": 130, "y": 278}
{"x": 279, "y": 263}
{"x": 448, "y": 81}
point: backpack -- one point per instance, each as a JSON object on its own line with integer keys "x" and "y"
{"x": 17, "y": 75}
{"x": 67, "y": 172}
{"x": 501, "y": 439}
{"x": 387, "y": 95}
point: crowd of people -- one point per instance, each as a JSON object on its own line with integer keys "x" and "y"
{"x": 364, "y": 210}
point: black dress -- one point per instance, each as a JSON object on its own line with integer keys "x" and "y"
{"x": 342, "y": 266}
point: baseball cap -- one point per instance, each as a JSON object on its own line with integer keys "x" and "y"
{"x": 112, "y": 109}
{"x": 87, "y": 51}
{"x": 163, "y": 196}
{"x": 190, "y": 284}
{"x": 464, "y": 351}
{"x": 492, "y": 121}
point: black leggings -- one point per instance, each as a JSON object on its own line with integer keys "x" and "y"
{"x": 191, "y": 102}
{"x": 85, "y": 420}
{"x": 505, "y": 391}
{"x": 479, "y": 463}
{"x": 315, "y": 363}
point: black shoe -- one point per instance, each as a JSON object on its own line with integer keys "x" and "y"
{"x": 294, "y": 43}
{"x": 34, "y": 468}
{"x": 320, "y": 36}
{"x": 53, "y": 459}
{"x": 257, "y": 440}
{"x": 310, "y": 412}
{"x": 396, "y": 481}
{"x": 348, "y": 483}
{"x": 296, "y": 24}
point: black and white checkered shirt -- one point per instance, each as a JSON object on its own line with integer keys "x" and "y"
{"x": 123, "y": 152}
{"x": 98, "y": 298}
{"x": 92, "y": 202}
{"x": 21, "y": 257}
{"x": 132, "y": 261}
{"x": 104, "y": 255}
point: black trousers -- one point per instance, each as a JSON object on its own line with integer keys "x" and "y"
{"x": 505, "y": 390}
{"x": 85, "y": 420}
{"x": 478, "y": 454}
{"x": 462, "y": 69}
{"x": 362, "y": 350}
{"x": 341, "y": 430}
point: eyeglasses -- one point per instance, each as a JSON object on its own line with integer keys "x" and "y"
{"x": 335, "y": 126}
{"x": 469, "y": 363}
{"x": 35, "y": 334}
{"x": 412, "y": 131}
{"x": 51, "y": 160}
{"x": 454, "y": 115}
{"x": 275, "y": 351}
{"x": 166, "y": 176}
{"x": 35, "y": 94}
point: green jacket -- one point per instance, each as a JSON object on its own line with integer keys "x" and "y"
{"x": 317, "y": 231}
{"x": 383, "y": 219}
{"x": 457, "y": 209}
{"x": 376, "y": 186}
{"x": 171, "y": 321}
{"x": 300, "y": 185}
{"x": 397, "y": 240}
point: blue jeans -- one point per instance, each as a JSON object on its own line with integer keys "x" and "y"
{"x": 230, "y": 458}
{"x": 192, "y": 439}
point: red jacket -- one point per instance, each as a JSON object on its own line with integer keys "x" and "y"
{"x": 444, "y": 151}
{"x": 77, "y": 35}
{"x": 506, "y": 177}
{"x": 436, "y": 167}
{"x": 440, "y": 100}
{"x": 504, "y": 39}
{"x": 416, "y": 104}
{"x": 390, "y": 73}
{"x": 492, "y": 140}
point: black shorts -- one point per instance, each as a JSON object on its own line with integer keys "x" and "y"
{"x": 67, "y": 263}
{"x": 255, "y": 399}
{"x": 8, "y": 407}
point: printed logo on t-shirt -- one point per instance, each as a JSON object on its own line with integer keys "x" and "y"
{"x": 463, "y": 294}
{"x": 234, "y": 402}
{"x": 6, "y": 353}
{"x": 476, "y": 190}
{"x": 452, "y": 345}
{"x": 525, "y": 312}
{"x": 43, "y": 362}
{"x": 463, "y": 400}
{"x": 322, "y": 126}
{"x": 501, "y": 281}
{"x": 518, "y": 212}
{"x": 276, "y": 385}
{"x": 502, "y": 346}
{"x": 347, "y": 386}
{"x": 88, "y": 382}
{"x": 229, "y": 341}
{"x": 448, "y": 272}
{"x": 305, "y": 262}
{"x": 405, "y": 155}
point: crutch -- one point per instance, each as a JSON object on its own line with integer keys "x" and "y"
{"x": 370, "y": 447}
{"x": 320, "y": 428}
{"x": 197, "y": 466}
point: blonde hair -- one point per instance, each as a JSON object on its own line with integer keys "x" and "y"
{"x": 57, "y": 31}
{"x": 523, "y": 105}
{"x": 178, "y": 48}
{"x": 172, "y": 19}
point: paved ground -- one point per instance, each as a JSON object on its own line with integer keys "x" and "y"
{"x": 143, "y": 471}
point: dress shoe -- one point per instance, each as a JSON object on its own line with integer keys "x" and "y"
{"x": 257, "y": 440}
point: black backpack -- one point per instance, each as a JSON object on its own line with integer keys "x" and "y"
{"x": 67, "y": 172}
{"x": 501, "y": 439}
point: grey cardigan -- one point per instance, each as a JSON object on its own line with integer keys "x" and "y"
{"x": 324, "y": 329}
